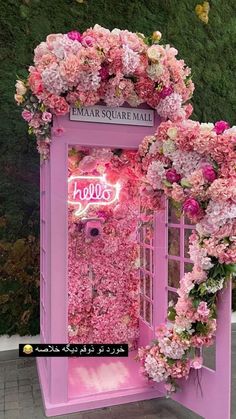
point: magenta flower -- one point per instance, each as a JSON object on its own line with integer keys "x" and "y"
{"x": 221, "y": 126}
{"x": 58, "y": 131}
{"x": 166, "y": 91}
{"x": 172, "y": 176}
{"x": 191, "y": 206}
{"x": 104, "y": 73}
{"x": 209, "y": 173}
{"x": 27, "y": 115}
{"x": 75, "y": 36}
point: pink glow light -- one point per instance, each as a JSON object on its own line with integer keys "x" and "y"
{"x": 96, "y": 192}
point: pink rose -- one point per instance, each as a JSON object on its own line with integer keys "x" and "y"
{"x": 35, "y": 81}
{"x": 191, "y": 206}
{"x": 59, "y": 105}
{"x": 47, "y": 117}
{"x": 87, "y": 41}
{"x": 172, "y": 176}
{"x": 196, "y": 362}
{"x": 166, "y": 91}
{"x": 27, "y": 115}
{"x": 87, "y": 164}
{"x": 221, "y": 126}
{"x": 209, "y": 173}
{"x": 75, "y": 36}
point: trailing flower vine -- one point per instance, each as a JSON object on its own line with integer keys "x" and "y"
{"x": 114, "y": 67}
{"x": 194, "y": 165}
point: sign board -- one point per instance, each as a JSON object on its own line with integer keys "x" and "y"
{"x": 87, "y": 191}
{"x": 116, "y": 115}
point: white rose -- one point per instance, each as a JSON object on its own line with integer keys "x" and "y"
{"x": 172, "y": 132}
{"x": 207, "y": 126}
{"x": 154, "y": 71}
{"x": 20, "y": 88}
{"x": 153, "y": 53}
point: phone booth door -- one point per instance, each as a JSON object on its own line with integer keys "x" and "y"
{"x": 207, "y": 392}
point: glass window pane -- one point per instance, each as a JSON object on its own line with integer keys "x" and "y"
{"x": 187, "y": 221}
{"x": 172, "y": 214}
{"x": 209, "y": 357}
{"x": 172, "y": 296}
{"x": 148, "y": 311}
{"x": 141, "y": 256}
{"x": 187, "y": 234}
{"x": 173, "y": 241}
{"x": 173, "y": 273}
{"x": 148, "y": 286}
{"x": 141, "y": 306}
{"x": 188, "y": 267}
{"x": 141, "y": 234}
{"x": 147, "y": 259}
{"x": 141, "y": 282}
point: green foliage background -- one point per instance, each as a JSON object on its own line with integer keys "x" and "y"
{"x": 208, "y": 49}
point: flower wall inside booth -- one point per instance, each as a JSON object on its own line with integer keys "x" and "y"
{"x": 103, "y": 246}
{"x": 192, "y": 164}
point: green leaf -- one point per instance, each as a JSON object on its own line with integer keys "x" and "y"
{"x": 166, "y": 183}
{"x": 171, "y": 314}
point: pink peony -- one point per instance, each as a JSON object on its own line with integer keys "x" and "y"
{"x": 87, "y": 41}
{"x": 221, "y": 126}
{"x": 47, "y": 117}
{"x": 35, "y": 81}
{"x": 87, "y": 164}
{"x": 209, "y": 173}
{"x": 75, "y": 36}
{"x": 172, "y": 176}
{"x": 27, "y": 115}
{"x": 191, "y": 206}
{"x": 59, "y": 105}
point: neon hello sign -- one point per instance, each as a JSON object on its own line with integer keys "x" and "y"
{"x": 87, "y": 191}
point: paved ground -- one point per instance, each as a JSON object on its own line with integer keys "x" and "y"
{"x": 20, "y": 397}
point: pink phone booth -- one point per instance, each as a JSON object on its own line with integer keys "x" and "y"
{"x": 76, "y": 384}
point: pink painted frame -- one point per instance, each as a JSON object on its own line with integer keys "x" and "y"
{"x": 53, "y": 372}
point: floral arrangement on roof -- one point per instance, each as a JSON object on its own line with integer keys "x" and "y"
{"x": 194, "y": 165}
{"x": 99, "y": 65}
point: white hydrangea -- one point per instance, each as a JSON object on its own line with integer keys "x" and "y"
{"x": 168, "y": 147}
{"x": 155, "y": 370}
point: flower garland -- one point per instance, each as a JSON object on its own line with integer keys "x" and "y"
{"x": 118, "y": 66}
{"x": 194, "y": 165}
